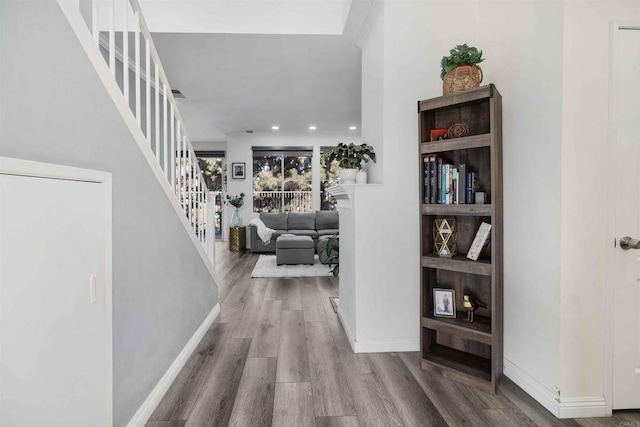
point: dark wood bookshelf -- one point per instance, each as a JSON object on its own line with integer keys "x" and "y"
{"x": 469, "y": 352}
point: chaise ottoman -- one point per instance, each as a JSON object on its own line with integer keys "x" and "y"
{"x": 291, "y": 249}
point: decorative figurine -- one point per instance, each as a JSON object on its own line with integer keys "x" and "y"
{"x": 470, "y": 306}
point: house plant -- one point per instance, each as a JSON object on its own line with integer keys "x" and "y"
{"x": 236, "y": 202}
{"x": 460, "y": 70}
{"x": 333, "y": 255}
{"x": 350, "y": 157}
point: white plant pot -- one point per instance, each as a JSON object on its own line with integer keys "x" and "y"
{"x": 348, "y": 176}
{"x": 361, "y": 177}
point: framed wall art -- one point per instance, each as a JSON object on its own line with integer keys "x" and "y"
{"x": 238, "y": 170}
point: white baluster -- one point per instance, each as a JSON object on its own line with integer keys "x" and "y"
{"x": 179, "y": 166}
{"x": 137, "y": 60}
{"x": 172, "y": 157}
{"x": 202, "y": 207}
{"x": 147, "y": 65}
{"x": 157, "y": 74}
{"x": 112, "y": 38}
{"x": 125, "y": 52}
{"x": 165, "y": 141}
{"x": 189, "y": 170}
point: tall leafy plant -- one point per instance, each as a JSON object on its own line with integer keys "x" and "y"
{"x": 333, "y": 255}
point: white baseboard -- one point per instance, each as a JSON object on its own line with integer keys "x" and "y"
{"x": 347, "y": 329}
{"x": 151, "y": 402}
{"x": 384, "y": 345}
{"x": 531, "y": 386}
{"x": 571, "y": 407}
{"x": 581, "y": 407}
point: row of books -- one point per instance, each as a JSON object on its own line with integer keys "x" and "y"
{"x": 447, "y": 184}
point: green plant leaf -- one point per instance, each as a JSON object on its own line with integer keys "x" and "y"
{"x": 461, "y": 54}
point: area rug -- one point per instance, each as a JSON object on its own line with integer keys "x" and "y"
{"x": 266, "y": 267}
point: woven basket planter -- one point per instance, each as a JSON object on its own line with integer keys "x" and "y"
{"x": 463, "y": 77}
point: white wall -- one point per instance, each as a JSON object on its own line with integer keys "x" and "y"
{"x": 55, "y": 109}
{"x": 584, "y": 194}
{"x": 239, "y": 149}
{"x": 549, "y": 60}
{"x": 209, "y": 146}
{"x": 525, "y": 63}
{"x": 373, "y": 96}
{"x": 526, "y": 67}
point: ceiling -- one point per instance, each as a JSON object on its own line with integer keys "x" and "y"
{"x": 238, "y": 82}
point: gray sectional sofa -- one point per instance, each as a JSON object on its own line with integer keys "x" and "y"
{"x": 312, "y": 224}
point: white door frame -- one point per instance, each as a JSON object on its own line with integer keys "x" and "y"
{"x": 19, "y": 167}
{"x": 614, "y": 28}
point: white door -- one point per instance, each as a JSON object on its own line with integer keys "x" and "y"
{"x": 55, "y": 349}
{"x": 626, "y": 348}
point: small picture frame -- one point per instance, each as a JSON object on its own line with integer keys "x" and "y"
{"x": 444, "y": 302}
{"x": 438, "y": 134}
{"x": 238, "y": 170}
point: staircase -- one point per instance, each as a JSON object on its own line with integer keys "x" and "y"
{"x": 117, "y": 40}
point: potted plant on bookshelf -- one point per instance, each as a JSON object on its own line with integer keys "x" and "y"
{"x": 459, "y": 69}
{"x": 350, "y": 158}
{"x": 236, "y": 202}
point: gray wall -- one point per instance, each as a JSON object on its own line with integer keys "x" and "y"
{"x": 54, "y": 109}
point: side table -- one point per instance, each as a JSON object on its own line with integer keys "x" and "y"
{"x": 237, "y": 238}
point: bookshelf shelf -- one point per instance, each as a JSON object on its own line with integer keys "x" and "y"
{"x": 464, "y": 143}
{"x": 479, "y": 330}
{"x": 469, "y": 352}
{"x": 457, "y": 210}
{"x": 459, "y": 366}
{"x": 458, "y": 263}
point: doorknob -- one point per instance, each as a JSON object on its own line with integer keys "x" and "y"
{"x": 627, "y": 243}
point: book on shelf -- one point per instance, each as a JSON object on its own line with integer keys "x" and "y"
{"x": 433, "y": 179}
{"x": 471, "y": 187}
{"x": 438, "y": 179}
{"x": 445, "y": 183}
{"x": 479, "y": 241}
{"x": 461, "y": 186}
{"x": 426, "y": 188}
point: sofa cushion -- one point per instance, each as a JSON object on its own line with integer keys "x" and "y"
{"x": 301, "y": 221}
{"x": 328, "y": 232}
{"x": 327, "y": 220}
{"x": 311, "y": 233}
{"x": 277, "y": 220}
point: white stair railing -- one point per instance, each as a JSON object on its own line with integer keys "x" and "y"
{"x": 121, "y": 34}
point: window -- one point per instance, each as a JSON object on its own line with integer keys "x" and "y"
{"x": 211, "y": 164}
{"x": 282, "y": 180}
{"x": 328, "y": 177}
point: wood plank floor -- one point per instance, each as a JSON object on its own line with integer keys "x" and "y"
{"x": 277, "y": 355}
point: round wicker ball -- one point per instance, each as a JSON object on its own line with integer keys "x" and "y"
{"x": 459, "y": 129}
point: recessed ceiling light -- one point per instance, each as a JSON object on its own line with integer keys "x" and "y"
{"x": 275, "y": 127}
{"x": 353, "y": 127}
{"x": 312, "y": 127}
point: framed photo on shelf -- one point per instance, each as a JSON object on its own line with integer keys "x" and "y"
{"x": 438, "y": 134}
{"x": 444, "y": 302}
{"x": 238, "y": 170}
